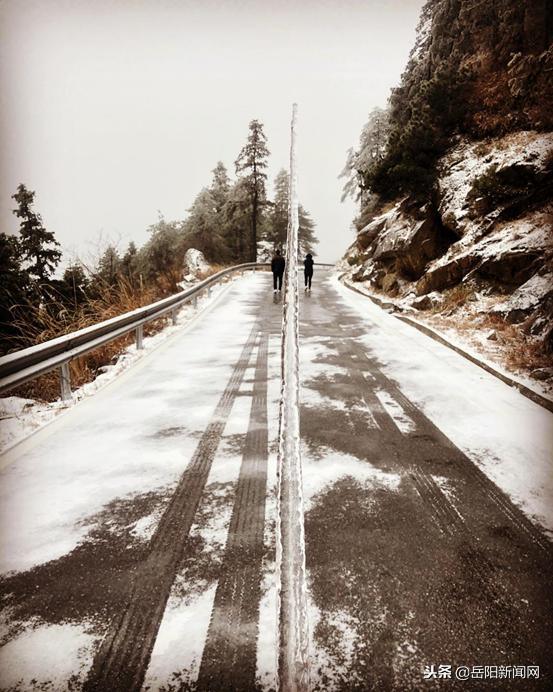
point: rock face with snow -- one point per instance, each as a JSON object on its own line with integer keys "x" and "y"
{"x": 490, "y": 223}
{"x": 479, "y": 182}
{"x": 399, "y": 243}
{"x": 195, "y": 263}
{"x": 265, "y": 251}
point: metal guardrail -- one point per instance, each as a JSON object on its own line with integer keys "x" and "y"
{"x": 29, "y": 363}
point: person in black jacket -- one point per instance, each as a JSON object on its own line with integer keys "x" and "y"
{"x": 277, "y": 267}
{"x": 308, "y": 270}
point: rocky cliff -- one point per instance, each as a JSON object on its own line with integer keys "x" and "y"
{"x": 502, "y": 49}
{"x": 481, "y": 248}
{"x": 472, "y": 238}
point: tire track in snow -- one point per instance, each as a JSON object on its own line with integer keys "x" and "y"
{"x": 428, "y": 442}
{"x": 417, "y": 451}
{"x": 229, "y": 657}
{"x": 511, "y": 513}
{"x": 122, "y": 659}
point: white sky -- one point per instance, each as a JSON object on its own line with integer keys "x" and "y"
{"x": 112, "y": 111}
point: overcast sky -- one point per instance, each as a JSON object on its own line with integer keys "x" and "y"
{"x": 113, "y": 110}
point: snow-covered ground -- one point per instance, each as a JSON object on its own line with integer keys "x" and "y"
{"x": 135, "y": 436}
{"x": 106, "y": 446}
{"x": 21, "y": 417}
{"x": 503, "y": 432}
{"x": 459, "y": 329}
{"x": 119, "y": 445}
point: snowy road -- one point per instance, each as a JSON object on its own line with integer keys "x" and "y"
{"x": 137, "y": 539}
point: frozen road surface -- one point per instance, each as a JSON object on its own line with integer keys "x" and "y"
{"x": 138, "y": 529}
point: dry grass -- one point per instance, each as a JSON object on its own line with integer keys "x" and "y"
{"x": 40, "y": 324}
{"x": 521, "y": 351}
{"x": 453, "y": 299}
{"x": 213, "y": 269}
{"x": 513, "y": 347}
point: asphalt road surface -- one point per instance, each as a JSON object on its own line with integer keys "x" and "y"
{"x": 138, "y": 531}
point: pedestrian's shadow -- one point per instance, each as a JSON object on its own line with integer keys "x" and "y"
{"x": 277, "y": 297}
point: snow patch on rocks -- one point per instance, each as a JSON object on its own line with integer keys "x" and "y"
{"x": 466, "y": 162}
{"x": 507, "y": 253}
{"x": 195, "y": 262}
{"x": 528, "y": 296}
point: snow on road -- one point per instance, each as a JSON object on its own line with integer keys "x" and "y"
{"x": 99, "y": 478}
{"x": 20, "y": 417}
{"x": 119, "y": 441}
{"x": 112, "y": 450}
{"x": 508, "y": 436}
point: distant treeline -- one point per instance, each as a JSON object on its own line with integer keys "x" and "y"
{"x": 228, "y": 221}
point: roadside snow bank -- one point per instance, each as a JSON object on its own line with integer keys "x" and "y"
{"x": 508, "y": 436}
{"x": 20, "y": 417}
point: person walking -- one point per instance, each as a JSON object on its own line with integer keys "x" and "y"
{"x": 277, "y": 267}
{"x": 308, "y": 270}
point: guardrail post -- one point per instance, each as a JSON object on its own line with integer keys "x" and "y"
{"x": 140, "y": 337}
{"x": 65, "y": 382}
{"x": 209, "y": 291}
{"x": 174, "y": 316}
{"x": 195, "y": 302}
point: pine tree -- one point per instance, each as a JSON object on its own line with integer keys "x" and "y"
{"x": 74, "y": 284}
{"x": 278, "y": 226}
{"x": 15, "y": 285}
{"x": 109, "y": 266}
{"x": 279, "y": 211}
{"x": 252, "y": 162}
{"x": 202, "y": 229}
{"x": 370, "y": 152}
{"x": 39, "y": 246}
{"x": 162, "y": 256}
{"x": 220, "y": 186}
{"x": 306, "y": 232}
{"x": 129, "y": 263}
{"x": 237, "y": 221}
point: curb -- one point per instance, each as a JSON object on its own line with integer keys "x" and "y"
{"x": 436, "y": 336}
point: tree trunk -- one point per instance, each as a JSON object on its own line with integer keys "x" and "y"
{"x": 240, "y": 247}
{"x": 254, "y": 227}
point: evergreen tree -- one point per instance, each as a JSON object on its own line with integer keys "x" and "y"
{"x": 74, "y": 284}
{"x": 237, "y": 222}
{"x": 202, "y": 228}
{"x": 278, "y": 226}
{"x": 252, "y": 162}
{"x": 279, "y": 212}
{"x": 370, "y": 152}
{"x": 130, "y": 263}
{"x": 306, "y": 232}
{"x": 161, "y": 258}
{"x": 15, "y": 285}
{"x": 109, "y": 266}
{"x": 39, "y": 246}
{"x": 220, "y": 186}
